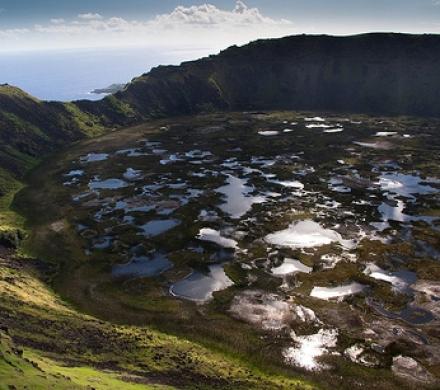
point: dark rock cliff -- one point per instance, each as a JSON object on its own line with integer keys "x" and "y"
{"x": 372, "y": 73}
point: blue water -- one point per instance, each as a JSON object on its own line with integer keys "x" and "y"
{"x": 143, "y": 266}
{"x": 72, "y": 75}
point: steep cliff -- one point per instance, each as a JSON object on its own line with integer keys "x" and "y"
{"x": 373, "y": 73}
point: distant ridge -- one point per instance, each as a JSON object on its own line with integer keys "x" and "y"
{"x": 377, "y": 73}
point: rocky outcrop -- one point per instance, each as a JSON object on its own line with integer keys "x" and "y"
{"x": 409, "y": 369}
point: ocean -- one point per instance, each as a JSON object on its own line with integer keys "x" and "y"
{"x": 72, "y": 74}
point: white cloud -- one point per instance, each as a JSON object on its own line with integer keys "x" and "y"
{"x": 90, "y": 16}
{"x": 13, "y": 33}
{"x": 194, "y": 26}
{"x": 57, "y": 21}
{"x": 210, "y": 15}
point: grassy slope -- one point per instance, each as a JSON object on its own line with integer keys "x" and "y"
{"x": 28, "y": 369}
{"x": 29, "y": 130}
{"x": 90, "y": 352}
{"x": 26, "y": 139}
{"x": 9, "y": 186}
{"x": 18, "y": 371}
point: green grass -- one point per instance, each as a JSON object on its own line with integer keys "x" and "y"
{"x": 28, "y": 369}
{"x": 86, "y": 376}
{"x": 11, "y": 91}
{"x": 17, "y": 372}
{"x": 23, "y": 126}
{"x": 89, "y": 124}
{"x": 10, "y": 221}
{"x": 119, "y": 106}
{"x": 25, "y": 161}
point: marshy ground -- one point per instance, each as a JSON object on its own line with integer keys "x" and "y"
{"x": 306, "y": 245}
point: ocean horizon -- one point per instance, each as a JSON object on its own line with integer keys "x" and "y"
{"x": 66, "y": 75}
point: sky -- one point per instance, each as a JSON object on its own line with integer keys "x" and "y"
{"x": 211, "y": 24}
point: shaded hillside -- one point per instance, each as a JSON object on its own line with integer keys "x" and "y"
{"x": 30, "y": 128}
{"x": 373, "y": 73}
